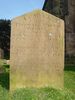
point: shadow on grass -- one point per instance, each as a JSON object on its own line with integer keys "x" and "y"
{"x": 69, "y": 67}
{"x": 4, "y": 80}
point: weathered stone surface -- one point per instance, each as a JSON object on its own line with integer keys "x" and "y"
{"x": 37, "y": 50}
{"x": 70, "y": 28}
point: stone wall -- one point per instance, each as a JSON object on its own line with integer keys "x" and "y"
{"x": 70, "y": 28}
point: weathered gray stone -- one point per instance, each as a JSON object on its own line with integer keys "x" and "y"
{"x": 70, "y": 28}
{"x": 37, "y": 50}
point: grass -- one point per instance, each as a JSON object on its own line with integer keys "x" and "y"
{"x": 4, "y": 86}
{"x": 4, "y": 81}
{"x": 42, "y": 94}
{"x": 47, "y": 93}
{"x": 69, "y": 77}
{"x": 4, "y": 94}
{"x": 69, "y": 80}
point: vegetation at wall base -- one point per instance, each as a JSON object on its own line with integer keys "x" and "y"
{"x": 46, "y": 93}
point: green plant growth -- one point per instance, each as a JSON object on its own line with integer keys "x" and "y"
{"x": 4, "y": 81}
{"x": 47, "y": 93}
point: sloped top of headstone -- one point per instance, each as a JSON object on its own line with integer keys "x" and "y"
{"x": 35, "y": 13}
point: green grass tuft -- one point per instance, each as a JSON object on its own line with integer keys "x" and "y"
{"x": 47, "y": 93}
{"x": 42, "y": 94}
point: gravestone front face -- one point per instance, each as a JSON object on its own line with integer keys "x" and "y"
{"x": 37, "y": 50}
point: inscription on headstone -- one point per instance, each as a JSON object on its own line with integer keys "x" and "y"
{"x": 37, "y": 50}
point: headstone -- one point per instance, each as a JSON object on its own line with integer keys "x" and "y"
{"x": 37, "y": 51}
